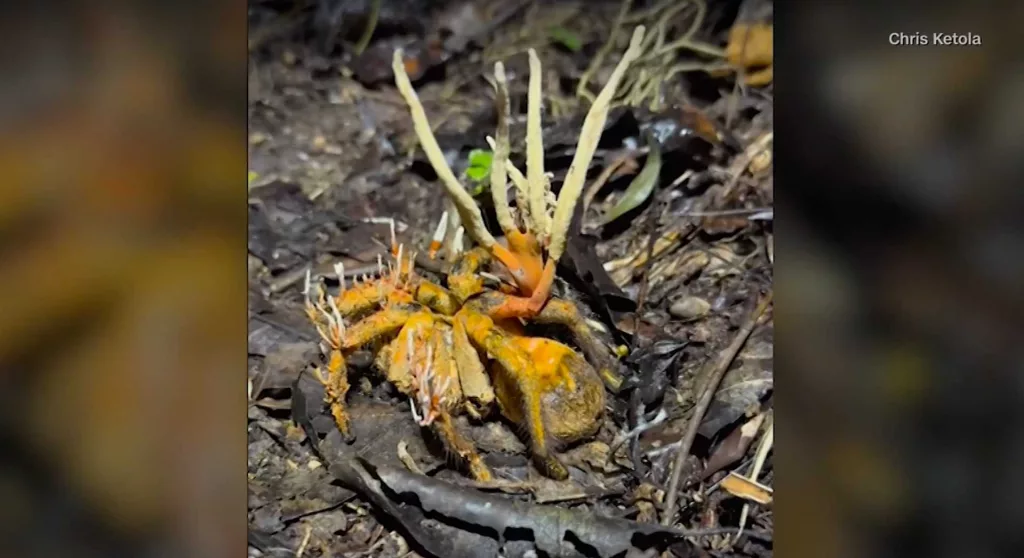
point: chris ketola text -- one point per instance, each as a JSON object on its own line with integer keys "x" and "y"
{"x": 937, "y": 39}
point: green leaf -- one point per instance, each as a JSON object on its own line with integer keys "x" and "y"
{"x": 640, "y": 188}
{"x": 566, "y": 38}
{"x": 479, "y": 164}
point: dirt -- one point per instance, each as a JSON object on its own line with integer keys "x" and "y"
{"x": 328, "y": 151}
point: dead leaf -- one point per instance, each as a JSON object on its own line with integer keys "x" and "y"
{"x": 742, "y": 487}
{"x": 733, "y": 447}
{"x": 282, "y": 365}
{"x": 742, "y": 388}
{"x": 652, "y": 363}
{"x": 406, "y": 459}
{"x": 583, "y": 269}
{"x": 760, "y": 161}
{"x": 554, "y": 530}
{"x": 723, "y": 261}
{"x": 751, "y": 48}
{"x": 723, "y": 225}
{"x": 646, "y": 498}
{"x": 641, "y": 188}
{"x": 593, "y": 454}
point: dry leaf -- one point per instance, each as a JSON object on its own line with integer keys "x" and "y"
{"x": 760, "y": 162}
{"x": 723, "y": 261}
{"x": 750, "y": 47}
{"x": 733, "y": 447}
{"x": 594, "y": 454}
{"x": 742, "y": 487}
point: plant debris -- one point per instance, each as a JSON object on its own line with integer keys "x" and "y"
{"x": 555, "y": 531}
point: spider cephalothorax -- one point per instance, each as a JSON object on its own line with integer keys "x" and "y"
{"x": 462, "y": 346}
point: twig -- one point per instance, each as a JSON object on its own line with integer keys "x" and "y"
{"x": 303, "y": 335}
{"x": 407, "y": 459}
{"x": 743, "y": 162}
{"x": 707, "y": 395}
{"x": 755, "y": 471}
{"x": 606, "y": 174}
{"x": 305, "y": 542}
{"x": 371, "y": 25}
{"x": 644, "y": 426}
{"x": 606, "y": 48}
{"x": 641, "y": 297}
{"x": 750, "y": 212}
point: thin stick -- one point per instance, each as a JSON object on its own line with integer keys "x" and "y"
{"x": 706, "y": 396}
{"x": 371, "y": 25}
{"x": 760, "y": 145}
{"x": 305, "y": 542}
{"x": 755, "y": 471}
{"x": 606, "y": 48}
{"x": 606, "y": 174}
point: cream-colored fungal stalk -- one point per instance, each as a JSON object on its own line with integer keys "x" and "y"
{"x": 590, "y": 135}
{"x": 499, "y": 174}
{"x": 538, "y": 183}
{"x": 468, "y": 211}
{"x": 519, "y": 181}
{"x": 533, "y": 191}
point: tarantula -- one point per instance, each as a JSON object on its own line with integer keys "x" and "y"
{"x": 437, "y": 344}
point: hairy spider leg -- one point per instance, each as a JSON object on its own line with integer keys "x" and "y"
{"x": 565, "y": 313}
{"x": 423, "y": 366}
{"x": 522, "y": 378}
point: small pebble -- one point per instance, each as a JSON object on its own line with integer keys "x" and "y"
{"x": 689, "y": 307}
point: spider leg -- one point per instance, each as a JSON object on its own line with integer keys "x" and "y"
{"x": 564, "y": 313}
{"x": 464, "y": 281}
{"x": 437, "y": 298}
{"x": 423, "y": 367}
{"x": 458, "y": 445}
{"x": 339, "y": 340}
{"x": 476, "y": 384}
{"x": 449, "y": 389}
{"x": 375, "y": 326}
{"x": 362, "y": 297}
{"x": 335, "y": 381}
{"x": 371, "y": 328}
{"x": 526, "y": 406}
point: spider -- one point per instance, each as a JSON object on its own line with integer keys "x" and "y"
{"x": 463, "y": 346}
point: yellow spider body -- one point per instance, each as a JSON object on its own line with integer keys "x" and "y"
{"x": 461, "y": 347}
{"x": 437, "y": 349}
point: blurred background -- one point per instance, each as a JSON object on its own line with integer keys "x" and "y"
{"x": 122, "y": 279}
{"x": 899, "y": 306}
{"x": 122, "y": 152}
